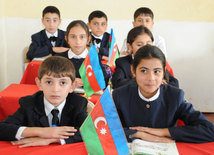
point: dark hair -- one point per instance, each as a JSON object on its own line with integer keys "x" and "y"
{"x": 57, "y": 66}
{"x": 77, "y": 23}
{"x": 143, "y": 10}
{"x": 50, "y": 9}
{"x": 149, "y": 52}
{"x": 136, "y": 31}
{"x": 98, "y": 14}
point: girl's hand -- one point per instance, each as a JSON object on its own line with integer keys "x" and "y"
{"x": 79, "y": 82}
{"x": 152, "y": 138}
{"x": 162, "y": 132}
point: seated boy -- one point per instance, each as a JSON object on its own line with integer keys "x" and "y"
{"x": 97, "y": 22}
{"x": 50, "y": 115}
{"x": 145, "y": 17}
{"x": 51, "y": 40}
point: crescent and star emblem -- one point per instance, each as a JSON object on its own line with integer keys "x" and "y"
{"x": 90, "y": 70}
{"x": 97, "y": 120}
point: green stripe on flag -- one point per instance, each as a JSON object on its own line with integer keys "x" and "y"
{"x": 87, "y": 87}
{"x": 90, "y": 137}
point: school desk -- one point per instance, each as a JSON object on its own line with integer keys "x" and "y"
{"x": 79, "y": 149}
{"x": 9, "y": 98}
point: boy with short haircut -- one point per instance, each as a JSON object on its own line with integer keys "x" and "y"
{"x": 50, "y": 115}
{"x": 51, "y": 40}
{"x": 145, "y": 17}
{"x": 97, "y": 22}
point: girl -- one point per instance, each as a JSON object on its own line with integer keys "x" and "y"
{"x": 77, "y": 37}
{"x": 137, "y": 37}
{"x": 151, "y": 109}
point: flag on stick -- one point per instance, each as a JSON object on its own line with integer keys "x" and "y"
{"x": 102, "y": 131}
{"x": 91, "y": 73}
{"x": 113, "y": 51}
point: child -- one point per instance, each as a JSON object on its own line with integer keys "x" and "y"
{"x": 51, "y": 40}
{"x": 145, "y": 17}
{"x": 77, "y": 37}
{"x": 97, "y": 22}
{"x": 31, "y": 123}
{"x": 151, "y": 109}
{"x": 137, "y": 37}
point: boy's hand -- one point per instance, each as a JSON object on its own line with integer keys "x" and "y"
{"x": 34, "y": 141}
{"x": 49, "y": 132}
{"x": 104, "y": 58}
{"x": 60, "y": 49}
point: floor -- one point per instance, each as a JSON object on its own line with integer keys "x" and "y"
{"x": 209, "y": 116}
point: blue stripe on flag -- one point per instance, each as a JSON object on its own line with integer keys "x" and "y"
{"x": 112, "y": 44}
{"x": 114, "y": 124}
{"x": 94, "y": 59}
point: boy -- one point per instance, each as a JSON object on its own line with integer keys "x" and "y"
{"x": 97, "y": 22}
{"x": 51, "y": 40}
{"x": 145, "y": 17}
{"x": 55, "y": 105}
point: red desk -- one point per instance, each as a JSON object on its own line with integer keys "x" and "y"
{"x": 31, "y": 72}
{"x": 79, "y": 149}
{"x": 9, "y": 98}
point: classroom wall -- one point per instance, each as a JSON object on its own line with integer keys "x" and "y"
{"x": 186, "y": 25}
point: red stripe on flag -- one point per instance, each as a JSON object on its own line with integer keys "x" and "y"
{"x": 114, "y": 52}
{"x": 102, "y": 129}
{"x": 90, "y": 75}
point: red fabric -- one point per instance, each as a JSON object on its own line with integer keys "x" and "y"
{"x": 112, "y": 67}
{"x": 9, "y": 98}
{"x": 169, "y": 69}
{"x": 79, "y": 149}
{"x": 31, "y": 72}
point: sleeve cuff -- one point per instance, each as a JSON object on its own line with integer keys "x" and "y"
{"x": 19, "y": 133}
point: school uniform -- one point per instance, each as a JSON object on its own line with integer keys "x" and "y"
{"x": 41, "y": 45}
{"x": 123, "y": 75}
{"x": 162, "y": 111}
{"x": 77, "y": 61}
{"x": 102, "y": 43}
{"x": 32, "y": 114}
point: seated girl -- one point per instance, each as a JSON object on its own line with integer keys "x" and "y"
{"x": 77, "y": 37}
{"x": 137, "y": 37}
{"x": 149, "y": 110}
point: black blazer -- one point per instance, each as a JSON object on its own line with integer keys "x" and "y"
{"x": 41, "y": 46}
{"x": 163, "y": 113}
{"x": 32, "y": 114}
{"x": 123, "y": 75}
{"x": 104, "y": 46}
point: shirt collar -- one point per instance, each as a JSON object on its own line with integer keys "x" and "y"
{"x": 49, "y": 107}
{"x": 149, "y": 99}
{"x": 51, "y": 35}
{"x": 71, "y": 54}
{"x": 100, "y": 37}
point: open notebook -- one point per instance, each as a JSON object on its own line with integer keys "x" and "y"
{"x": 141, "y": 147}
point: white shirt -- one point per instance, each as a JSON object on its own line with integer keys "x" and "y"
{"x": 52, "y": 35}
{"x": 158, "y": 41}
{"x": 48, "y": 108}
{"x": 71, "y": 54}
{"x": 95, "y": 43}
{"x": 149, "y": 99}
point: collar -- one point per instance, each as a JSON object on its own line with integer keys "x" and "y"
{"x": 51, "y": 35}
{"x": 149, "y": 99}
{"x": 100, "y": 37}
{"x": 49, "y": 107}
{"x": 71, "y": 54}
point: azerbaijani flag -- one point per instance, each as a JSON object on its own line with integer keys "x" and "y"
{"x": 113, "y": 51}
{"x": 91, "y": 73}
{"x": 102, "y": 131}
